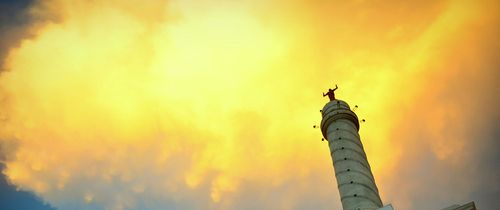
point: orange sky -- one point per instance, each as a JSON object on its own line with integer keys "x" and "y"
{"x": 210, "y": 105}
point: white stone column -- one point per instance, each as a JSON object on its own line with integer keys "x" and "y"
{"x": 354, "y": 177}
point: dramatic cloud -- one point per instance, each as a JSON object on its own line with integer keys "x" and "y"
{"x": 196, "y": 105}
{"x": 19, "y": 20}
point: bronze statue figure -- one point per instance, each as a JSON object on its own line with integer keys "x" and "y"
{"x": 331, "y": 93}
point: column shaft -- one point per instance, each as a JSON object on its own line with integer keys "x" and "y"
{"x": 354, "y": 177}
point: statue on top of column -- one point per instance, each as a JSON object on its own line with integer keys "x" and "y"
{"x": 331, "y": 93}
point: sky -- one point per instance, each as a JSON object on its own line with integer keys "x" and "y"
{"x": 203, "y": 104}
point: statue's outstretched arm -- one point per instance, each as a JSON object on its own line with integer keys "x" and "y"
{"x": 336, "y": 87}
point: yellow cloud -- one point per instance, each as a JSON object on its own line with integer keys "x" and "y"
{"x": 201, "y": 105}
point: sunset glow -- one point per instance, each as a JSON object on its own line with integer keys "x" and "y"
{"x": 211, "y": 105}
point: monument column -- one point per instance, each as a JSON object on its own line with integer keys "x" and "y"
{"x": 354, "y": 177}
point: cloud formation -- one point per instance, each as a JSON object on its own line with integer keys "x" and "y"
{"x": 195, "y": 105}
